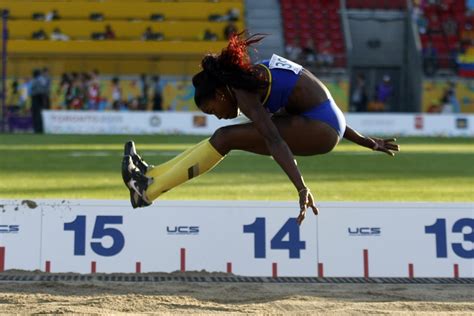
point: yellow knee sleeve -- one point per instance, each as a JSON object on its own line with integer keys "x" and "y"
{"x": 193, "y": 162}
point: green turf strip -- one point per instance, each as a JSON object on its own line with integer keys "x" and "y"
{"x": 65, "y": 166}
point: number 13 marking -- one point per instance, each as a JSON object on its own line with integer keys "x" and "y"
{"x": 439, "y": 230}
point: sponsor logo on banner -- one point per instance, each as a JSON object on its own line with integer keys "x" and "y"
{"x": 461, "y": 123}
{"x": 9, "y": 229}
{"x": 199, "y": 121}
{"x": 364, "y": 231}
{"x": 182, "y": 230}
{"x": 155, "y": 121}
{"x": 419, "y": 122}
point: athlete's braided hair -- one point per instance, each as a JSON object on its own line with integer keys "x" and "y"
{"x": 231, "y": 68}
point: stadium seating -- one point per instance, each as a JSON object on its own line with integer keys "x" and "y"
{"x": 436, "y": 14}
{"x": 446, "y": 44}
{"x": 125, "y": 30}
{"x": 318, "y": 20}
{"x": 121, "y": 10}
{"x": 181, "y": 22}
{"x": 377, "y": 4}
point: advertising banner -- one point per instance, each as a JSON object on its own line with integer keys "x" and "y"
{"x": 91, "y": 122}
{"x": 197, "y": 123}
{"x": 384, "y": 239}
{"x": 412, "y": 124}
{"x": 245, "y": 238}
{"x": 20, "y": 235}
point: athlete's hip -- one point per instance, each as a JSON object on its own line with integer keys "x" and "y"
{"x": 328, "y": 112}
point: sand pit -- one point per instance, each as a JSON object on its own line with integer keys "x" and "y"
{"x": 211, "y": 298}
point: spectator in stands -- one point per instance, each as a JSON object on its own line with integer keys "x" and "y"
{"x": 446, "y": 106}
{"x": 52, "y": 16}
{"x": 93, "y": 90}
{"x": 117, "y": 103}
{"x": 325, "y": 55}
{"x": 25, "y": 88}
{"x": 434, "y": 108}
{"x": 293, "y": 50}
{"x": 309, "y": 53}
{"x": 157, "y": 94}
{"x": 467, "y": 33}
{"x": 421, "y": 22}
{"x": 450, "y": 26}
{"x": 46, "y": 81}
{"x": 39, "y": 35}
{"x": 434, "y": 25}
{"x": 77, "y": 92}
{"x": 449, "y": 102}
{"x": 209, "y": 35}
{"x": 134, "y": 105}
{"x": 230, "y": 29}
{"x": 63, "y": 92}
{"x": 384, "y": 91}
{"x": 96, "y": 16}
{"x": 14, "y": 96}
{"x": 148, "y": 34}
{"x": 109, "y": 32}
{"x": 233, "y": 14}
{"x": 359, "y": 96}
{"x": 144, "y": 89}
{"x": 470, "y": 6}
{"x": 454, "y": 53}
{"x": 37, "y": 100}
{"x": 57, "y": 35}
{"x": 430, "y": 59}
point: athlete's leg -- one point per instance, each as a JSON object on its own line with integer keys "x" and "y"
{"x": 304, "y": 136}
{"x": 156, "y": 171}
{"x": 192, "y": 163}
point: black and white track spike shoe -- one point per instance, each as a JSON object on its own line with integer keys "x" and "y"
{"x": 134, "y": 179}
{"x": 136, "y": 182}
{"x": 136, "y": 200}
{"x": 130, "y": 150}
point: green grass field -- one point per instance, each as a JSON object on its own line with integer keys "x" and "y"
{"x": 88, "y": 167}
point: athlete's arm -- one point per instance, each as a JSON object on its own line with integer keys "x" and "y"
{"x": 250, "y": 105}
{"x": 252, "y": 108}
{"x": 384, "y": 145}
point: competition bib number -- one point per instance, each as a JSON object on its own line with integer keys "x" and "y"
{"x": 283, "y": 63}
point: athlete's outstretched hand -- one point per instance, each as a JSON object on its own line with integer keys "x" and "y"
{"x": 387, "y": 146}
{"x": 306, "y": 200}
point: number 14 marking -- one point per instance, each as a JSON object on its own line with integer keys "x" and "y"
{"x": 290, "y": 228}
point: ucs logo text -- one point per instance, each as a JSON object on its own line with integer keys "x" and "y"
{"x": 8, "y": 229}
{"x": 182, "y": 230}
{"x": 364, "y": 231}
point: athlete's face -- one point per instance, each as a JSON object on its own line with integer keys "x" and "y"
{"x": 223, "y": 105}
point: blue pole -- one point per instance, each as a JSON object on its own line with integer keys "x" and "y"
{"x": 4, "y": 67}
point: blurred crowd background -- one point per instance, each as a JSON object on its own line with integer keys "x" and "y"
{"x": 124, "y": 55}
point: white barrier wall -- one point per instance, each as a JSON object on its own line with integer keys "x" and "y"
{"x": 246, "y": 238}
{"x": 88, "y": 122}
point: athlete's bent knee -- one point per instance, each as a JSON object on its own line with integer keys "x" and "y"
{"x": 221, "y": 140}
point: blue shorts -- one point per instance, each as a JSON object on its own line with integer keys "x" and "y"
{"x": 329, "y": 113}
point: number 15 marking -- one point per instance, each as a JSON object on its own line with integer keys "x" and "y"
{"x": 78, "y": 226}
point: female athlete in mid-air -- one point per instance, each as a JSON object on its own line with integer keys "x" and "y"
{"x": 291, "y": 113}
